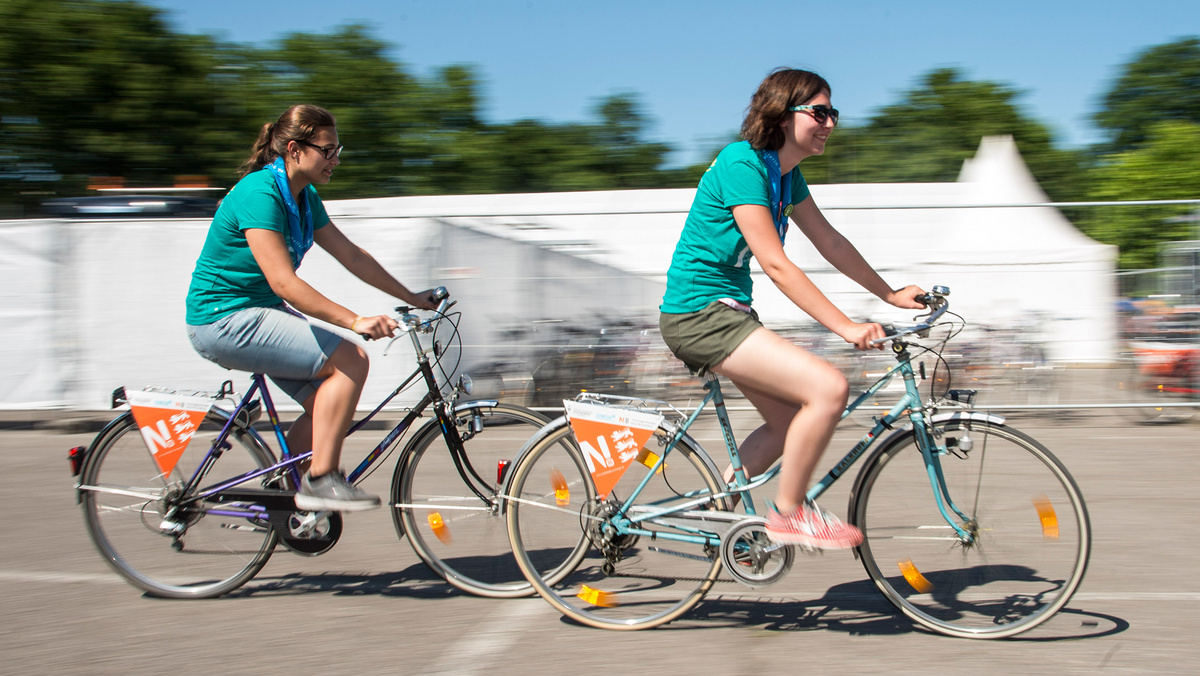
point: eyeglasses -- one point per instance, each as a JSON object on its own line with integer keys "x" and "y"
{"x": 331, "y": 153}
{"x": 820, "y": 112}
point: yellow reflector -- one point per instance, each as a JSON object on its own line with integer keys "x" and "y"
{"x": 596, "y": 597}
{"x": 562, "y": 494}
{"x": 439, "y": 527}
{"x": 648, "y": 457}
{"x": 1049, "y": 519}
{"x": 915, "y": 578}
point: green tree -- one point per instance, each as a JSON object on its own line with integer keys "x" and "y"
{"x": 1165, "y": 166}
{"x": 1161, "y": 83}
{"x": 102, "y": 88}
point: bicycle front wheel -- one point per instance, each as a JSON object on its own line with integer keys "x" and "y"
{"x": 1029, "y": 541}
{"x": 458, "y": 533}
{"x": 618, "y": 575}
{"x": 202, "y": 550}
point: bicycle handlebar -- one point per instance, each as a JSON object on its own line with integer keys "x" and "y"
{"x": 411, "y": 322}
{"x": 935, "y": 299}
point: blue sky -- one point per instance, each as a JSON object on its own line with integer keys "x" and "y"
{"x": 695, "y": 64}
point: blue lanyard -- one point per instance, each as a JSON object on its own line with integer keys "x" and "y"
{"x": 299, "y": 236}
{"x": 779, "y": 190}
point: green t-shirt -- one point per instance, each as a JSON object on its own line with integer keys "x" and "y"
{"x": 712, "y": 259}
{"x": 227, "y": 278}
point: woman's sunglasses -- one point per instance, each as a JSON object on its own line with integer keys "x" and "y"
{"x": 820, "y": 112}
{"x": 331, "y": 153}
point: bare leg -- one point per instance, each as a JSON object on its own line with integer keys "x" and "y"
{"x": 332, "y": 405}
{"x": 299, "y": 434}
{"x": 799, "y": 395}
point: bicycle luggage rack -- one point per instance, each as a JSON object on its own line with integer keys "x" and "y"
{"x": 636, "y": 404}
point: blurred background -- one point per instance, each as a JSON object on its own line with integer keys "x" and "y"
{"x": 1075, "y": 252}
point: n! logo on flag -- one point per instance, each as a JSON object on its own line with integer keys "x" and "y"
{"x": 610, "y": 438}
{"x": 167, "y": 423}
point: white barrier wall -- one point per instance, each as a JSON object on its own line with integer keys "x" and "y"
{"x": 86, "y": 306}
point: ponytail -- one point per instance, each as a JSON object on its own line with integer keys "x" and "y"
{"x": 261, "y": 153}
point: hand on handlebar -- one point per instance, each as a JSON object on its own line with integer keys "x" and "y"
{"x": 907, "y": 298}
{"x": 372, "y": 328}
{"x": 862, "y": 335}
{"x": 426, "y": 300}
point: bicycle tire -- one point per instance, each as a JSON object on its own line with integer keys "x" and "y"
{"x": 215, "y": 554}
{"x": 452, "y": 530}
{"x": 653, "y": 580}
{"x": 1031, "y": 526}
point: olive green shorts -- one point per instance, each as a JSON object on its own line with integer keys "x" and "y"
{"x": 704, "y": 339}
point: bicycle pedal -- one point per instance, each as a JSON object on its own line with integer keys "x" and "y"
{"x": 168, "y": 527}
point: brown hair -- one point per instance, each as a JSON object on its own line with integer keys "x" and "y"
{"x": 298, "y": 123}
{"x": 782, "y": 89}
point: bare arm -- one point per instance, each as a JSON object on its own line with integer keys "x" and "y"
{"x": 755, "y": 223}
{"x": 271, "y": 255}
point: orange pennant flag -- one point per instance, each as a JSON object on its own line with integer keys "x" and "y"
{"x": 167, "y": 422}
{"x": 611, "y": 438}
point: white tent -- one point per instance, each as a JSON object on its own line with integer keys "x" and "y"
{"x": 91, "y": 305}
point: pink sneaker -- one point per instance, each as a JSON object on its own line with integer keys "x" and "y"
{"x": 808, "y": 525}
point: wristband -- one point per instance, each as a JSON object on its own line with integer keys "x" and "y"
{"x": 354, "y": 324}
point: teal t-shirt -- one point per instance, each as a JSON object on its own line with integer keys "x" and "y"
{"x": 712, "y": 259}
{"x": 227, "y": 278}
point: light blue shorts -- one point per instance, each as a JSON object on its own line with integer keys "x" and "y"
{"x": 269, "y": 340}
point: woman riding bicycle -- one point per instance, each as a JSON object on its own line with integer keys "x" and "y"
{"x": 741, "y": 209}
{"x": 239, "y": 305}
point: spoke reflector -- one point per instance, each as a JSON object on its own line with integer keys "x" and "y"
{"x": 1049, "y": 519}
{"x": 439, "y": 527}
{"x": 648, "y": 457}
{"x": 562, "y": 494}
{"x": 914, "y": 577}
{"x": 596, "y": 597}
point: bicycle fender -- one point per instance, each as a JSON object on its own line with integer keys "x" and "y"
{"x": 477, "y": 403}
{"x": 432, "y": 426}
{"x": 983, "y": 416}
{"x": 88, "y": 452}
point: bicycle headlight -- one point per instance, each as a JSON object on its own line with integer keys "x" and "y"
{"x": 465, "y": 384}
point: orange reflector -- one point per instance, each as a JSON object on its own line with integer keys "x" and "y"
{"x": 439, "y": 527}
{"x": 562, "y": 494}
{"x": 1049, "y": 519}
{"x": 648, "y": 457}
{"x": 914, "y": 577}
{"x": 596, "y": 597}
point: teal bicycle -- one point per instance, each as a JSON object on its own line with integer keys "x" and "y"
{"x": 972, "y": 528}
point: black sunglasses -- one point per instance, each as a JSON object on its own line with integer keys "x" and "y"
{"x": 820, "y": 112}
{"x": 329, "y": 153}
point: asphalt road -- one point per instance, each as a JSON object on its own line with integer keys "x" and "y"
{"x": 370, "y": 606}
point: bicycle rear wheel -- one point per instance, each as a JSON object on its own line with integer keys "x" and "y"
{"x": 1030, "y": 528}
{"x": 617, "y": 578}
{"x": 125, "y": 497}
{"x": 457, "y": 533}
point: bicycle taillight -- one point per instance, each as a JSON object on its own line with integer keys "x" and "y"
{"x": 501, "y": 471}
{"x": 75, "y": 456}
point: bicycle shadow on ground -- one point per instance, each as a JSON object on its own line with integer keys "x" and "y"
{"x": 417, "y": 582}
{"x": 858, "y": 608}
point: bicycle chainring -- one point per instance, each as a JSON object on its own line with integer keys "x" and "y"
{"x": 751, "y": 558}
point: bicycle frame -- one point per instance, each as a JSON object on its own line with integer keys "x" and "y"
{"x": 741, "y": 485}
{"x": 290, "y": 463}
